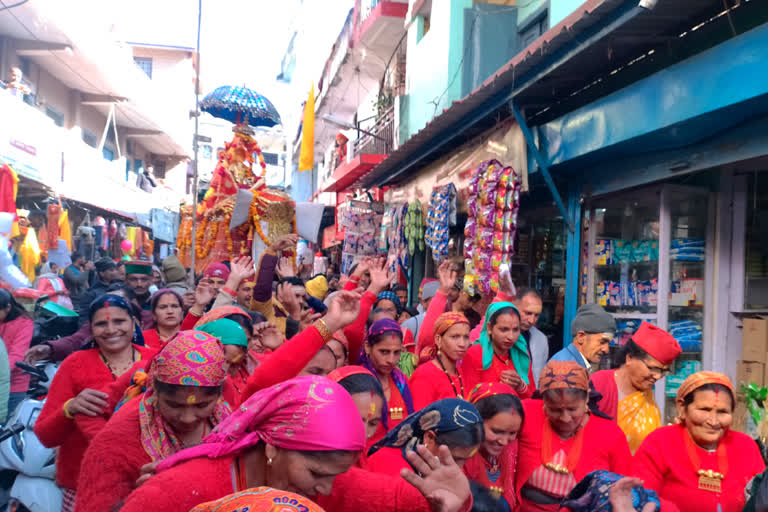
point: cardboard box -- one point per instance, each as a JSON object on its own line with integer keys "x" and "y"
{"x": 739, "y": 423}
{"x": 749, "y": 371}
{"x": 754, "y": 341}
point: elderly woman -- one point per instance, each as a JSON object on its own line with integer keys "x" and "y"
{"x": 262, "y": 444}
{"x": 628, "y": 391}
{"x": 182, "y": 403}
{"x": 560, "y": 442}
{"x": 700, "y": 464}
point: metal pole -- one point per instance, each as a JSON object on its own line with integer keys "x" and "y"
{"x": 195, "y": 142}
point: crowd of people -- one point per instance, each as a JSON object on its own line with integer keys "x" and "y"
{"x": 256, "y": 389}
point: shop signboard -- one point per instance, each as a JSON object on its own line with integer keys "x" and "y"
{"x": 30, "y": 142}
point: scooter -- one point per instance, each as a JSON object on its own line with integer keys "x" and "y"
{"x": 34, "y": 487}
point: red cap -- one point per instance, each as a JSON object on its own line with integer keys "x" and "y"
{"x": 217, "y": 270}
{"x": 657, "y": 342}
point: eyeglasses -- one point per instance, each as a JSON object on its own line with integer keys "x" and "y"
{"x": 657, "y": 371}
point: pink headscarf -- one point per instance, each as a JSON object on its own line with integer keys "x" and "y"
{"x": 305, "y": 413}
{"x": 191, "y": 358}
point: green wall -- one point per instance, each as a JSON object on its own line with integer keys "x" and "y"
{"x": 432, "y": 69}
{"x": 560, "y": 9}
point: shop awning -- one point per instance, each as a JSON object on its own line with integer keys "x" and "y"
{"x": 595, "y": 41}
{"x": 86, "y": 206}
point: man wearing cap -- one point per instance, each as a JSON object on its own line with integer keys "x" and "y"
{"x": 138, "y": 276}
{"x": 627, "y": 392}
{"x": 592, "y": 331}
{"x": 106, "y": 274}
{"x": 427, "y": 294}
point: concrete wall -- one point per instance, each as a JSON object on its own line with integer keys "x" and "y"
{"x": 433, "y": 77}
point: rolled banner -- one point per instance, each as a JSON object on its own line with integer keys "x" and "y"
{"x": 241, "y": 209}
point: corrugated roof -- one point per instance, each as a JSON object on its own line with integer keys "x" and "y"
{"x": 545, "y": 73}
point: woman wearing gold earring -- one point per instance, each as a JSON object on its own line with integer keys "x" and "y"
{"x": 700, "y": 464}
{"x": 560, "y": 442}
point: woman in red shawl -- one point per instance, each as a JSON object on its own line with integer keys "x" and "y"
{"x": 181, "y": 405}
{"x": 166, "y": 307}
{"x": 560, "y": 442}
{"x": 440, "y": 376}
{"x": 263, "y": 443}
{"x": 70, "y": 417}
{"x": 495, "y": 464}
{"x": 700, "y": 464}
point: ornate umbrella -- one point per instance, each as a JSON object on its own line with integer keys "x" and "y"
{"x": 241, "y": 105}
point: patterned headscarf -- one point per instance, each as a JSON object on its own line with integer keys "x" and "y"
{"x": 391, "y": 296}
{"x": 486, "y": 389}
{"x": 442, "y": 324}
{"x": 563, "y": 375}
{"x": 221, "y": 312}
{"x": 519, "y": 355}
{"x": 305, "y": 413}
{"x": 383, "y": 326}
{"x": 448, "y": 320}
{"x": 260, "y": 499}
{"x": 592, "y": 494}
{"x": 342, "y": 373}
{"x": 443, "y": 416}
{"x": 699, "y": 379}
{"x": 191, "y": 358}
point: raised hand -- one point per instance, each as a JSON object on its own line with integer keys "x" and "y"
{"x": 307, "y": 318}
{"x": 363, "y": 267}
{"x": 268, "y": 335}
{"x": 442, "y": 482}
{"x": 381, "y": 277}
{"x": 285, "y": 268}
{"x": 447, "y": 275}
{"x": 343, "y": 310}
{"x": 284, "y": 243}
{"x": 204, "y": 294}
{"x": 288, "y": 299}
{"x": 241, "y": 269}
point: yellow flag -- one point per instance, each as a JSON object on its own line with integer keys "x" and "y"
{"x": 307, "y": 155}
{"x": 65, "y": 232}
{"x": 29, "y": 254}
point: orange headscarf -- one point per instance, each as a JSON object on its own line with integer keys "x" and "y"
{"x": 563, "y": 375}
{"x": 260, "y": 499}
{"x": 699, "y": 379}
{"x": 448, "y": 320}
{"x": 219, "y": 313}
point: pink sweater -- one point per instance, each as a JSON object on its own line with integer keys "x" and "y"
{"x": 17, "y": 334}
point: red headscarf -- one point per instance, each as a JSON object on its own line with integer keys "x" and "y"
{"x": 217, "y": 270}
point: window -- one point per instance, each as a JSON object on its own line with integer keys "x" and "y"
{"x": 145, "y": 64}
{"x": 531, "y": 29}
{"x": 270, "y": 158}
{"x": 90, "y": 139}
{"x": 422, "y": 27}
{"x": 108, "y": 153}
{"x": 57, "y": 117}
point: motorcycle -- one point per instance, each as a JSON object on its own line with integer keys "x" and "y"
{"x": 24, "y": 461}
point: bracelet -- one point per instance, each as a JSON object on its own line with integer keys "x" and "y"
{"x": 228, "y": 291}
{"x": 67, "y": 414}
{"x": 322, "y": 328}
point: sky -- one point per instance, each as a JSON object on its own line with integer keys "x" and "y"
{"x": 242, "y": 41}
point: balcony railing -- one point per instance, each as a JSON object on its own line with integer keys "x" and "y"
{"x": 380, "y": 136}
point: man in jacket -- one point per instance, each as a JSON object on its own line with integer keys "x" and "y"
{"x": 592, "y": 331}
{"x": 106, "y": 274}
{"x": 76, "y": 276}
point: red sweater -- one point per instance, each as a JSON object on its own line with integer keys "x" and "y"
{"x": 355, "y": 332}
{"x": 152, "y": 339}
{"x": 197, "y": 481}
{"x": 604, "y": 447}
{"x": 189, "y": 322}
{"x": 388, "y": 461}
{"x": 605, "y": 384}
{"x": 82, "y": 370}
{"x": 108, "y": 474}
{"x": 286, "y": 362}
{"x": 663, "y": 463}
{"x": 472, "y": 366}
{"x": 429, "y": 383}
{"x": 17, "y": 334}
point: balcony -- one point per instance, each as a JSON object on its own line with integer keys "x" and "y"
{"x": 381, "y": 24}
{"x": 374, "y": 142}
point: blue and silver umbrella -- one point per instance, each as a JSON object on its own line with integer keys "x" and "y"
{"x": 240, "y": 105}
